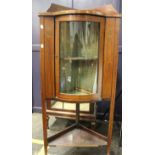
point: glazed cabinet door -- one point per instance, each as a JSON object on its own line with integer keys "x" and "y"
{"x": 79, "y": 57}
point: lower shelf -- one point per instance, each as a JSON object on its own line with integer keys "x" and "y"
{"x": 78, "y": 137}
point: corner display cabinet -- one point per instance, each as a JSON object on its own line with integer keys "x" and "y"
{"x": 79, "y": 57}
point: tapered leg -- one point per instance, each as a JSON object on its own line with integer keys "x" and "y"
{"x": 43, "y": 95}
{"x": 111, "y": 120}
{"x": 108, "y": 149}
{"x": 93, "y": 124}
{"x": 44, "y": 117}
{"x": 114, "y": 80}
{"x": 77, "y": 113}
{"x": 48, "y": 103}
{"x": 47, "y": 120}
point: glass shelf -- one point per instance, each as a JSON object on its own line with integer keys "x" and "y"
{"x": 79, "y": 58}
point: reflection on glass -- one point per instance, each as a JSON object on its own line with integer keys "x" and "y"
{"x": 79, "y": 43}
{"x": 70, "y": 106}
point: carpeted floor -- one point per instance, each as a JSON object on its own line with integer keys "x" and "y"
{"x": 59, "y": 124}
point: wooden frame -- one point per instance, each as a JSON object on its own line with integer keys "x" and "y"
{"x": 79, "y": 98}
{"x": 109, "y": 32}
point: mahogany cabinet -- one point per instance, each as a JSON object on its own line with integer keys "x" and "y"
{"x": 79, "y": 57}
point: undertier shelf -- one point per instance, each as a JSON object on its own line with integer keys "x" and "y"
{"x": 78, "y": 137}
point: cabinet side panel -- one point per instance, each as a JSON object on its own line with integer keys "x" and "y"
{"x": 108, "y": 57}
{"x": 114, "y": 80}
{"x": 42, "y": 60}
{"x": 49, "y": 57}
{"x": 42, "y": 71}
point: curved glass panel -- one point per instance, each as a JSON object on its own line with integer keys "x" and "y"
{"x": 79, "y": 46}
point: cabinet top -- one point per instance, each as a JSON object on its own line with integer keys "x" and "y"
{"x": 105, "y": 11}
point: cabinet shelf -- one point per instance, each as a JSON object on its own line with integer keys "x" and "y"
{"x": 77, "y": 137}
{"x": 79, "y": 58}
